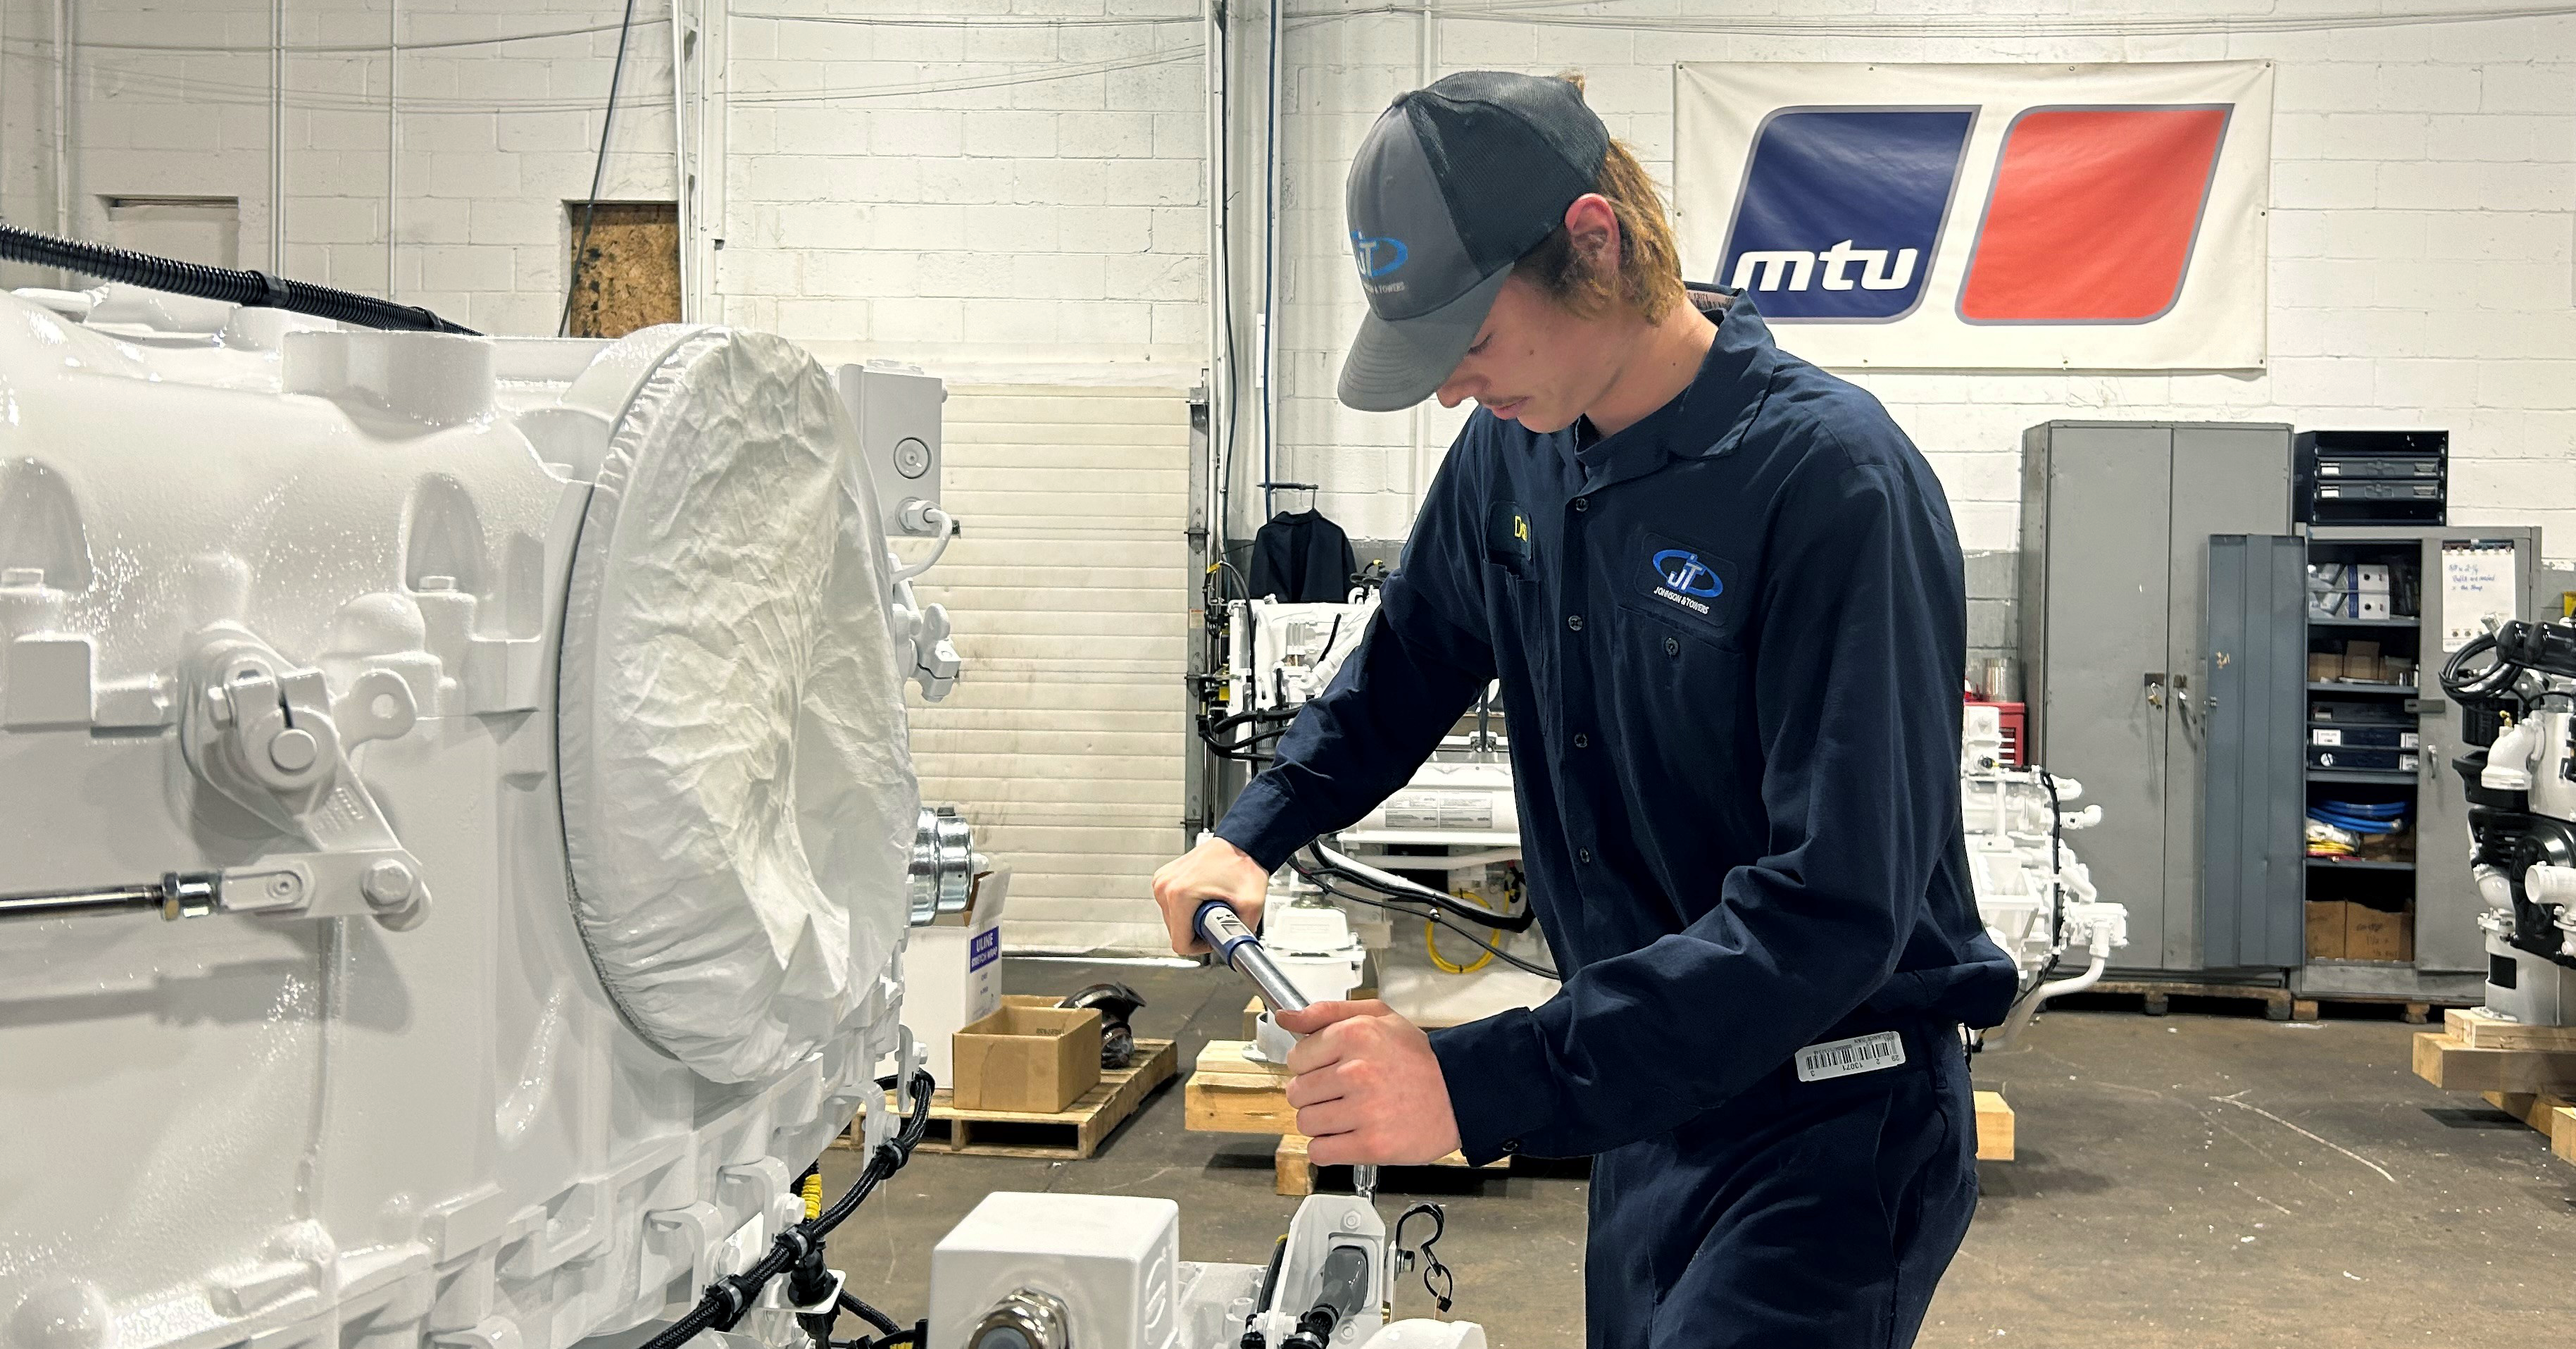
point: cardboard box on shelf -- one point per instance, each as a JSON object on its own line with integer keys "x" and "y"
{"x": 2325, "y": 667}
{"x": 1036, "y": 1060}
{"x": 2377, "y": 934}
{"x": 2325, "y": 928}
{"x": 2362, "y": 663}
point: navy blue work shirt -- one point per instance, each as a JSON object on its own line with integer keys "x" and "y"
{"x": 1731, "y": 640}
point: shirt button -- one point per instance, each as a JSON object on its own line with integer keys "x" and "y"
{"x": 1582, "y": 504}
{"x": 1511, "y": 1145}
{"x": 1582, "y": 741}
{"x": 1672, "y": 646}
{"x": 1574, "y": 622}
{"x": 1583, "y": 855}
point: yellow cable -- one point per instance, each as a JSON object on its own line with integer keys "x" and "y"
{"x": 813, "y": 1195}
{"x": 1431, "y": 942}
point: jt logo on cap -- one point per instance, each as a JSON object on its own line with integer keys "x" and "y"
{"x": 1377, "y": 257}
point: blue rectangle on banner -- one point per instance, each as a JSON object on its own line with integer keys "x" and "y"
{"x": 984, "y": 949}
{"x": 1842, "y": 210}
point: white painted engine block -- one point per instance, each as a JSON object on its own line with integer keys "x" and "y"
{"x": 2035, "y": 895}
{"x": 510, "y": 733}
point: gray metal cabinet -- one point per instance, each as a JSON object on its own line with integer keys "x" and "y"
{"x": 2449, "y": 950}
{"x": 2115, "y": 544}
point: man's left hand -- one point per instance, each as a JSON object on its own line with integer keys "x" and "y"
{"x": 1368, "y": 1089}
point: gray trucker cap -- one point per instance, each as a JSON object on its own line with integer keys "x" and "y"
{"x": 1454, "y": 184}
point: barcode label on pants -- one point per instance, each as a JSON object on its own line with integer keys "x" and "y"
{"x": 1842, "y": 1058}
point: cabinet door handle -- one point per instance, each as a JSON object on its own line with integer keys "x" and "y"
{"x": 2156, "y": 688}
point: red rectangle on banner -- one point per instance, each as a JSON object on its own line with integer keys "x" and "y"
{"x": 2092, "y": 214}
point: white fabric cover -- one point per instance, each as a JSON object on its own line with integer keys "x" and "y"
{"x": 738, "y": 794}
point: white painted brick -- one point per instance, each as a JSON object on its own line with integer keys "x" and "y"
{"x": 2325, "y": 185}
{"x": 1068, "y": 93}
{"x": 997, "y": 229}
{"x": 2527, "y": 186}
{"x": 1156, "y": 276}
{"x": 511, "y": 220}
{"x": 473, "y": 175}
{"x": 1011, "y": 135}
{"x": 1107, "y": 135}
{"x": 1107, "y": 322}
{"x": 1112, "y": 229}
{"x": 919, "y": 226}
{"x": 971, "y": 276}
{"x": 964, "y": 182}
{"x": 467, "y": 268}
{"x": 2537, "y": 87}
{"x": 1011, "y": 322}
{"x": 916, "y": 133}
{"x": 1154, "y": 182}
{"x": 2373, "y": 135}
{"x": 1063, "y": 182}
{"x": 848, "y": 320}
{"x": 1059, "y": 276}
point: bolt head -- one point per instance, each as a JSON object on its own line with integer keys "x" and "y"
{"x": 388, "y": 884}
{"x": 294, "y": 750}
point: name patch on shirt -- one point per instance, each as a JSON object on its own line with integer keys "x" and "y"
{"x": 1686, "y": 579}
{"x": 1508, "y": 538}
{"x": 1843, "y": 1058}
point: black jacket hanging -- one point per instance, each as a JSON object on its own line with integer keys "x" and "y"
{"x": 1302, "y": 558}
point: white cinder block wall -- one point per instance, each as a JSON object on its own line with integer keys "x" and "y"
{"x": 2423, "y": 195}
{"x": 1015, "y": 182}
{"x": 1020, "y": 182}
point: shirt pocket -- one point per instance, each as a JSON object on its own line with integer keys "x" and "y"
{"x": 1692, "y": 590}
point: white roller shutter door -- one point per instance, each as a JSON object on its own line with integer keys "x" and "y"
{"x": 1064, "y": 741}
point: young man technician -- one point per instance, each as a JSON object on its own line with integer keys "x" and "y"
{"x": 1723, "y": 595}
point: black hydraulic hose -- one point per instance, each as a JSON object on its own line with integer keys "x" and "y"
{"x": 851, "y": 1303}
{"x": 723, "y": 1303}
{"x": 255, "y": 289}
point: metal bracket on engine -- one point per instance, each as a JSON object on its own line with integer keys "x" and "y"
{"x": 267, "y": 736}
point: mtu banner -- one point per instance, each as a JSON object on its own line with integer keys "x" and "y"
{"x": 2104, "y": 217}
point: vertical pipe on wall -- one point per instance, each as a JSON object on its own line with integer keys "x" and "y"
{"x": 393, "y": 137}
{"x": 683, "y": 181}
{"x": 1270, "y": 171}
{"x": 1220, "y": 284}
{"x": 277, "y": 136}
{"x": 65, "y": 53}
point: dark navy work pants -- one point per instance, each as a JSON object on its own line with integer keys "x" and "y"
{"x": 1801, "y": 1215}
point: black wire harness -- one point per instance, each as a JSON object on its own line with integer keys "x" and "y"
{"x": 1421, "y": 901}
{"x": 259, "y": 290}
{"x": 724, "y": 1302}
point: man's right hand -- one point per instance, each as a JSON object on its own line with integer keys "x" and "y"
{"x": 1215, "y": 869}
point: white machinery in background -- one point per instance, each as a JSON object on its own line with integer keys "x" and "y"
{"x": 2518, "y": 714}
{"x": 457, "y": 828}
{"x": 2036, "y": 898}
{"x": 1454, "y": 827}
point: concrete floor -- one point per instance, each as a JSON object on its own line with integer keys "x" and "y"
{"x": 2190, "y": 1180}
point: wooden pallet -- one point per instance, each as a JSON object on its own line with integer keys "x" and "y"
{"x": 1228, "y": 1093}
{"x": 1994, "y": 1128}
{"x": 2417, "y": 1011}
{"x": 2278, "y": 1005}
{"x": 1293, "y": 1173}
{"x": 1231, "y": 1094}
{"x": 2450, "y": 1062}
{"x": 1070, "y": 1134}
{"x": 2528, "y": 1072}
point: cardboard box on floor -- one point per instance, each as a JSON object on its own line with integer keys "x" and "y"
{"x": 1036, "y": 1060}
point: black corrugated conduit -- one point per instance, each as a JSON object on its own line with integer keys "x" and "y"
{"x": 256, "y": 289}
